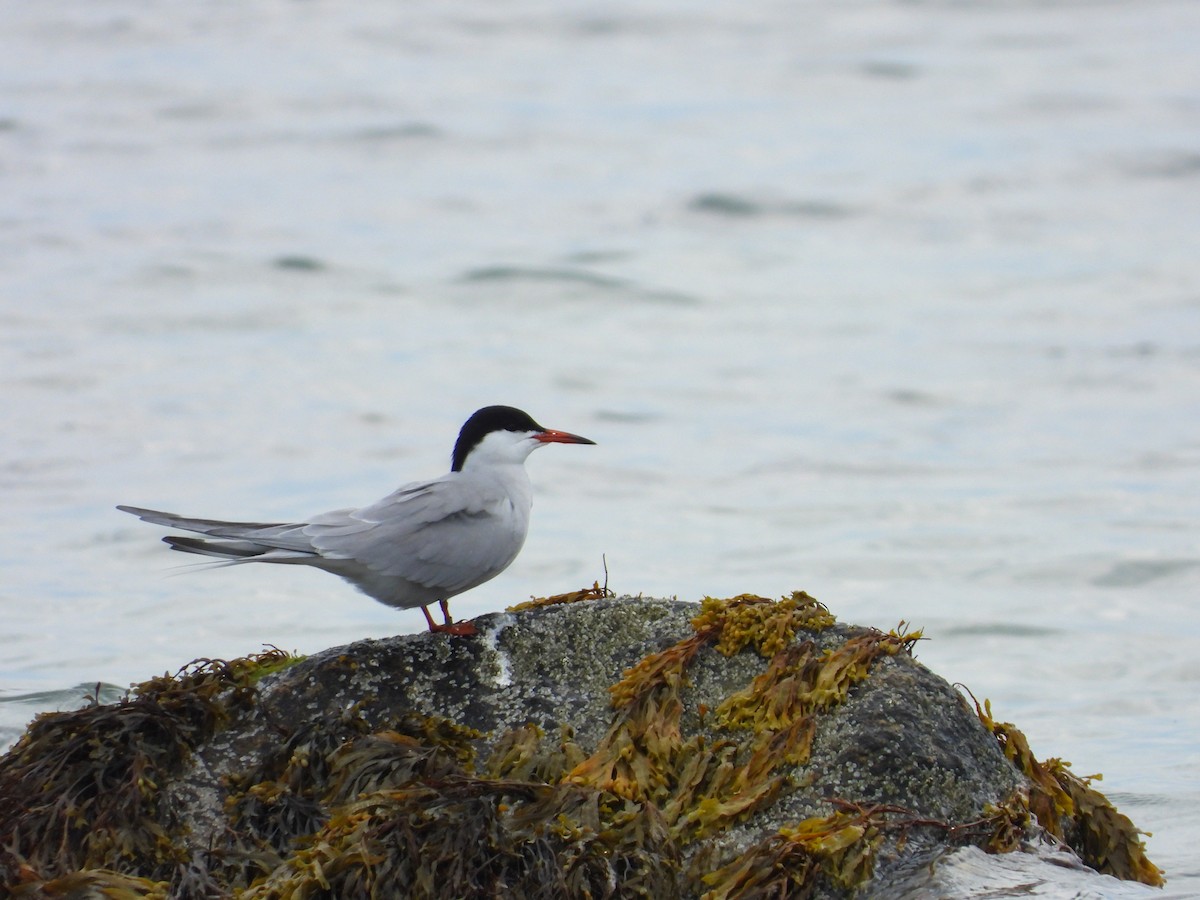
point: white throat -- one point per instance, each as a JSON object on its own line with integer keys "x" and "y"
{"x": 501, "y": 448}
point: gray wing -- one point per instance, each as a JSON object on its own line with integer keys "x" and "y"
{"x": 450, "y": 534}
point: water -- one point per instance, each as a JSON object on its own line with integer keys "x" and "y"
{"x": 898, "y": 303}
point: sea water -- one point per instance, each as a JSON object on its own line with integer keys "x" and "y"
{"x": 897, "y": 303}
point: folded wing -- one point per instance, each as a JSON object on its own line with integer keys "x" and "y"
{"x": 442, "y": 534}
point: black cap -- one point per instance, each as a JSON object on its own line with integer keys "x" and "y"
{"x": 482, "y": 423}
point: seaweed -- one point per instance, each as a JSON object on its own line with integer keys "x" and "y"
{"x": 769, "y": 625}
{"x": 595, "y": 592}
{"x": 520, "y": 754}
{"x": 340, "y": 805}
{"x": 400, "y": 810}
{"x": 99, "y": 883}
{"x": 704, "y": 783}
{"x": 326, "y": 762}
{"x": 1005, "y": 826}
{"x": 1071, "y": 810}
{"x": 482, "y": 838}
{"x": 801, "y": 682}
{"x": 839, "y": 849}
{"x": 87, "y": 783}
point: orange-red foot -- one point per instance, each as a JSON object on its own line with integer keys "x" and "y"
{"x": 461, "y": 629}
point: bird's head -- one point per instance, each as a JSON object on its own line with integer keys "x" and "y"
{"x": 503, "y": 434}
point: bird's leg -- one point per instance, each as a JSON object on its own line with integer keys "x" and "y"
{"x": 462, "y": 629}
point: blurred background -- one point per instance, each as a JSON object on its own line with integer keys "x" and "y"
{"x": 894, "y": 302}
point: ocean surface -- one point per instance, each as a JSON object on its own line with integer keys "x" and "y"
{"x": 894, "y": 302}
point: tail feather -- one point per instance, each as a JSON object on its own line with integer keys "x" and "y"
{"x": 243, "y": 539}
{"x": 220, "y": 549}
{"x": 233, "y": 552}
{"x": 200, "y": 526}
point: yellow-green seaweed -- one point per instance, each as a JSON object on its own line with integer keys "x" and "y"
{"x": 839, "y": 848}
{"x": 328, "y": 762}
{"x": 470, "y": 837}
{"x": 768, "y": 625}
{"x": 88, "y": 883}
{"x": 704, "y": 783}
{"x": 87, "y": 782}
{"x": 1070, "y": 809}
{"x": 351, "y": 805}
{"x": 523, "y": 754}
{"x": 595, "y": 592}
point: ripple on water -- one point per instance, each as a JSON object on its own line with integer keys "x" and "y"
{"x": 17, "y": 710}
{"x": 1135, "y": 573}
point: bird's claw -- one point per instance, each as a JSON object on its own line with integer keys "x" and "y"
{"x": 458, "y": 629}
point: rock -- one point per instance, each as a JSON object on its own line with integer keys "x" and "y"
{"x": 613, "y": 747}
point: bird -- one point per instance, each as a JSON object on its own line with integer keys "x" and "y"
{"x": 426, "y": 541}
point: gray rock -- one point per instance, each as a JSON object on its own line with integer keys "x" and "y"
{"x": 501, "y": 765}
{"x": 903, "y": 737}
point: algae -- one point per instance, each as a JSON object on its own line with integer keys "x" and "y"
{"x": 522, "y": 754}
{"x": 87, "y": 783}
{"x": 350, "y": 804}
{"x": 327, "y": 762}
{"x": 769, "y": 626}
{"x": 400, "y": 806}
{"x": 100, "y": 883}
{"x": 707, "y": 781}
{"x": 1071, "y": 810}
{"x": 793, "y": 863}
{"x": 469, "y": 837}
{"x": 595, "y": 592}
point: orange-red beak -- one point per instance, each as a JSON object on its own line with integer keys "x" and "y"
{"x": 561, "y": 437}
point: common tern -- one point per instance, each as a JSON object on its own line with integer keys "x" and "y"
{"x": 427, "y": 541}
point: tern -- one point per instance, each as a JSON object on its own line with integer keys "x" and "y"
{"x": 427, "y": 541}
